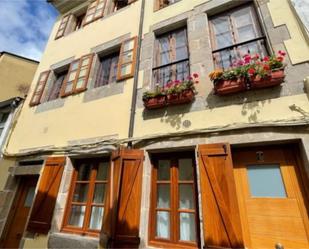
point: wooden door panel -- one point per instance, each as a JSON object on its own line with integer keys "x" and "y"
{"x": 268, "y": 220}
{"x": 273, "y": 207}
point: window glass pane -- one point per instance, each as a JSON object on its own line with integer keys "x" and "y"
{"x": 69, "y": 86}
{"x": 163, "y": 224}
{"x": 99, "y": 193}
{"x": 224, "y": 40}
{"x": 83, "y": 72}
{"x": 102, "y": 171}
{"x": 85, "y": 62}
{"x": 163, "y": 196}
{"x": 128, "y": 45}
{"x": 163, "y": 170}
{"x": 126, "y": 69}
{"x": 187, "y": 227}
{"x": 185, "y": 169}
{"x": 96, "y": 218}
{"x": 127, "y": 57}
{"x": 80, "y": 83}
{"x": 84, "y": 172}
{"x": 265, "y": 181}
{"x": 246, "y": 33}
{"x": 77, "y": 216}
{"x": 74, "y": 66}
{"x": 72, "y": 76}
{"x": 186, "y": 198}
{"x": 29, "y": 197}
{"x": 80, "y": 193}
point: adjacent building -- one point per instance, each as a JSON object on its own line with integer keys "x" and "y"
{"x": 92, "y": 162}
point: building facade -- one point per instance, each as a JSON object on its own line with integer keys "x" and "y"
{"x": 94, "y": 163}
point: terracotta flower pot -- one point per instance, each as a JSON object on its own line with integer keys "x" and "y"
{"x": 184, "y": 97}
{"x": 225, "y": 87}
{"x": 275, "y": 78}
{"x": 155, "y": 103}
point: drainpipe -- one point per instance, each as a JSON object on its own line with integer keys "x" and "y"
{"x": 136, "y": 72}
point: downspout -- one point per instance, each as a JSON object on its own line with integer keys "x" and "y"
{"x": 136, "y": 73}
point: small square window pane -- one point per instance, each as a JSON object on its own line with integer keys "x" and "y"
{"x": 127, "y": 57}
{"x": 80, "y": 193}
{"x": 30, "y": 195}
{"x": 187, "y": 227}
{"x": 163, "y": 196}
{"x": 83, "y": 72}
{"x": 266, "y": 181}
{"x": 74, "y": 65}
{"x": 163, "y": 224}
{"x": 185, "y": 169}
{"x": 164, "y": 170}
{"x": 186, "y": 198}
{"x": 126, "y": 69}
{"x": 128, "y": 45}
{"x": 102, "y": 171}
{"x": 96, "y": 218}
{"x": 84, "y": 172}
{"x": 72, "y": 76}
{"x": 80, "y": 83}
{"x": 99, "y": 193}
{"x": 77, "y": 216}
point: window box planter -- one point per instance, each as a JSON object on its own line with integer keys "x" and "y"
{"x": 275, "y": 78}
{"x": 225, "y": 87}
{"x": 184, "y": 97}
{"x": 155, "y": 103}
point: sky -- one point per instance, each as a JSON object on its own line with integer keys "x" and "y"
{"x": 25, "y": 26}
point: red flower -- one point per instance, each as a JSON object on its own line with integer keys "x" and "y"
{"x": 251, "y": 71}
{"x": 266, "y": 58}
{"x": 247, "y": 58}
{"x": 189, "y": 78}
{"x": 266, "y": 67}
{"x": 177, "y": 82}
{"x": 195, "y": 75}
{"x": 280, "y": 58}
{"x": 256, "y": 56}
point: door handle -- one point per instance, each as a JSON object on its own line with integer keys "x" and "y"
{"x": 279, "y": 246}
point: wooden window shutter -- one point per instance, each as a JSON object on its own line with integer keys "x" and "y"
{"x": 62, "y": 27}
{"x": 39, "y": 89}
{"x": 123, "y": 202}
{"x": 95, "y": 11}
{"x": 222, "y": 225}
{"x": 127, "y": 59}
{"x": 45, "y": 199}
{"x": 77, "y": 78}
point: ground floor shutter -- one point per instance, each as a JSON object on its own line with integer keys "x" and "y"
{"x": 123, "y": 203}
{"x": 46, "y": 196}
{"x": 221, "y": 218}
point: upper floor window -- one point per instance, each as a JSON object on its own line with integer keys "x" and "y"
{"x": 171, "y": 57}
{"x": 85, "y": 204}
{"x": 234, "y": 34}
{"x": 107, "y": 72}
{"x": 53, "y": 92}
{"x": 79, "y": 20}
{"x": 164, "y": 3}
{"x": 174, "y": 215}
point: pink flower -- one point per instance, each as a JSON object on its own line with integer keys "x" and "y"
{"x": 256, "y": 56}
{"x": 195, "y": 75}
{"x": 282, "y": 53}
{"x": 189, "y": 78}
{"x": 196, "y": 82}
{"x": 247, "y": 58}
{"x": 266, "y": 58}
{"x": 177, "y": 82}
{"x": 266, "y": 67}
{"x": 280, "y": 58}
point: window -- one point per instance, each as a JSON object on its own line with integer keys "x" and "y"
{"x": 172, "y": 57}
{"x": 3, "y": 118}
{"x": 234, "y": 34}
{"x": 173, "y": 201}
{"x": 164, "y": 3}
{"x": 266, "y": 181}
{"x": 37, "y": 94}
{"x": 79, "y": 20}
{"x": 119, "y": 4}
{"x": 62, "y": 27}
{"x": 95, "y": 11}
{"x": 107, "y": 72}
{"x": 78, "y": 75}
{"x": 85, "y": 206}
{"x": 54, "y": 90}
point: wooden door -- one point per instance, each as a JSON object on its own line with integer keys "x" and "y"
{"x": 272, "y": 198}
{"x": 20, "y": 211}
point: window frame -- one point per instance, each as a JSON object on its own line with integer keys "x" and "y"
{"x": 76, "y": 90}
{"x": 173, "y": 242}
{"x": 159, "y": 4}
{"x": 95, "y": 7}
{"x": 84, "y": 230}
{"x": 37, "y": 91}
{"x": 121, "y": 58}
{"x": 51, "y": 86}
{"x": 256, "y": 24}
{"x": 157, "y": 53}
{"x": 61, "y": 32}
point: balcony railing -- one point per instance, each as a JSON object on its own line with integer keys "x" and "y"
{"x": 164, "y": 74}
